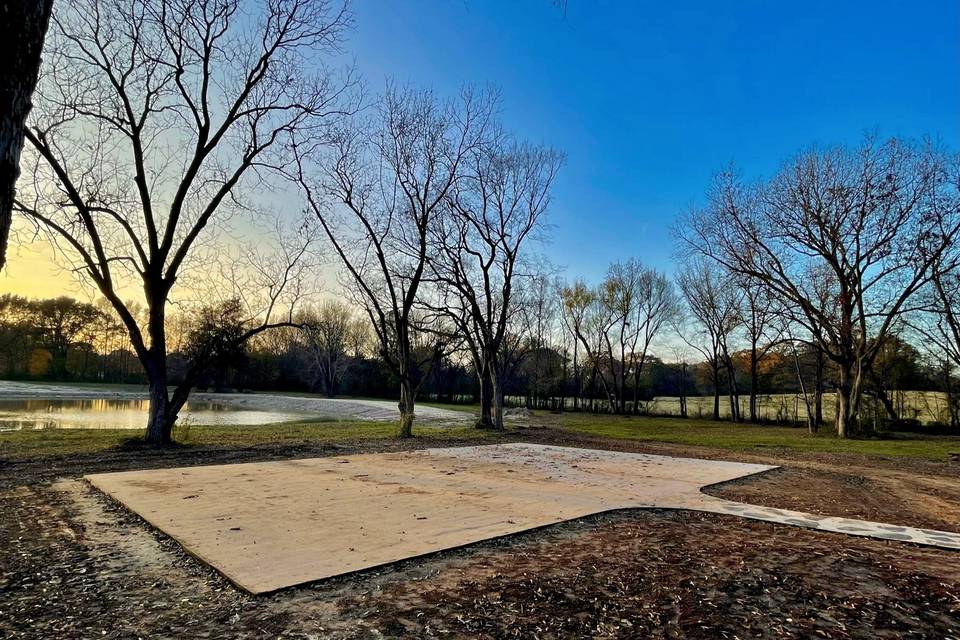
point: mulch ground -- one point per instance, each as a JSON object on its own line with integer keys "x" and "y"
{"x": 73, "y": 565}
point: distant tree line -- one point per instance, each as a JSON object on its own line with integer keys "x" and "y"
{"x": 332, "y": 352}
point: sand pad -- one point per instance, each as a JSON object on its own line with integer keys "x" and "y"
{"x": 275, "y": 524}
{"x": 271, "y": 525}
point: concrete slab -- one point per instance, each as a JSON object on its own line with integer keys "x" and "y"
{"x": 271, "y": 525}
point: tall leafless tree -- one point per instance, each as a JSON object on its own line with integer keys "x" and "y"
{"x": 152, "y": 116}
{"x": 617, "y": 323}
{"x": 875, "y": 218}
{"x": 619, "y": 294}
{"x": 657, "y": 307}
{"x": 713, "y": 301}
{"x": 576, "y": 301}
{"x": 25, "y": 26}
{"x": 591, "y": 319}
{"x": 379, "y": 198}
{"x": 495, "y": 210}
{"x": 638, "y": 302}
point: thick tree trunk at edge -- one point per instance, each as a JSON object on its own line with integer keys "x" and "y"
{"x": 20, "y": 51}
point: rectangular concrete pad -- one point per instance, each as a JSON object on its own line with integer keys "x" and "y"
{"x": 270, "y": 525}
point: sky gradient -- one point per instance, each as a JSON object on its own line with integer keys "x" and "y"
{"x": 647, "y": 100}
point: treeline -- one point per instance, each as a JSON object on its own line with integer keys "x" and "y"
{"x": 63, "y": 339}
{"x": 332, "y": 352}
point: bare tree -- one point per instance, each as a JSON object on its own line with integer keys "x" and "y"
{"x": 619, "y": 293}
{"x": 637, "y": 303}
{"x": 388, "y": 181}
{"x": 536, "y": 325}
{"x": 875, "y": 218}
{"x": 333, "y": 333}
{"x": 763, "y": 321}
{"x": 617, "y": 323}
{"x": 590, "y": 319}
{"x": 576, "y": 301}
{"x": 494, "y": 211}
{"x": 26, "y": 26}
{"x": 153, "y": 115}
{"x": 657, "y": 307}
{"x": 938, "y": 324}
{"x": 713, "y": 300}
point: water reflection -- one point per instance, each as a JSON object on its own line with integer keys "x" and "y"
{"x": 121, "y": 414}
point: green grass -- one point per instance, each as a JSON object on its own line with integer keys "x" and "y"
{"x": 54, "y": 442}
{"x": 741, "y": 437}
{"x": 462, "y": 408}
{"x": 694, "y": 432}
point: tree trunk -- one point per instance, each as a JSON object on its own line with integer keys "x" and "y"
{"x": 486, "y": 398}
{"x": 683, "y": 390}
{"x": 593, "y": 386}
{"x": 636, "y": 383}
{"x": 154, "y": 361}
{"x": 884, "y": 399}
{"x": 716, "y": 392}
{"x": 754, "y": 383}
{"x": 497, "y": 393}
{"x": 733, "y": 391}
{"x": 818, "y": 390}
{"x": 576, "y": 379}
{"x": 20, "y": 51}
{"x": 848, "y": 391}
{"x": 811, "y": 421}
{"x": 330, "y": 381}
{"x": 406, "y": 409}
{"x": 159, "y": 419}
{"x": 953, "y": 402}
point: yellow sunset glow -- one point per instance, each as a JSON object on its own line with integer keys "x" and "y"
{"x": 32, "y": 271}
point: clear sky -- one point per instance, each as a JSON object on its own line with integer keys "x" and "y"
{"x": 648, "y": 99}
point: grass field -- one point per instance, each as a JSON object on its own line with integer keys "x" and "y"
{"x": 743, "y": 437}
{"x": 53, "y": 442}
{"x": 694, "y": 432}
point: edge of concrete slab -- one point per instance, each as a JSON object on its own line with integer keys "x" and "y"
{"x": 710, "y": 504}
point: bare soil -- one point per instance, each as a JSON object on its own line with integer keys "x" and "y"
{"x": 73, "y": 564}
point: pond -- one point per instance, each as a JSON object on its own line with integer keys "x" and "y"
{"x": 16, "y": 415}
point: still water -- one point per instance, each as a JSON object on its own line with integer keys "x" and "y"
{"x": 122, "y": 414}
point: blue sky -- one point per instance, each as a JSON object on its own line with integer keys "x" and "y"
{"x": 649, "y": 99}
